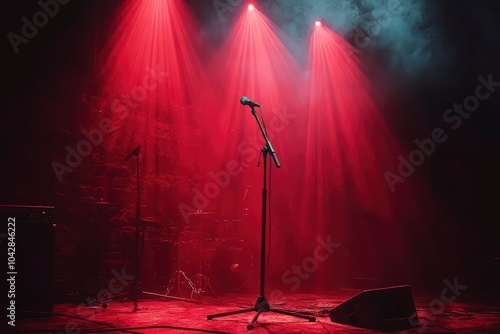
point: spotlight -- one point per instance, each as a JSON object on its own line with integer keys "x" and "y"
{"x": 317, "y": 23}
{"x": 250, "y": 7}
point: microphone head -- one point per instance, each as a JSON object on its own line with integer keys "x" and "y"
{"x": 244, "y": 100}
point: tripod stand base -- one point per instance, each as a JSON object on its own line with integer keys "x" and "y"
{"x": 180, "y": 278}
{"x": 202, "y": 283}
{"x": 261, "y": 305}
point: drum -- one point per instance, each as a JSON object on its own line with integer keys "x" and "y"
{"x": 229, "y": 265}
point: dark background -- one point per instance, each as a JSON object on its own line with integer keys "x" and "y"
{"x": 41, "y": 111}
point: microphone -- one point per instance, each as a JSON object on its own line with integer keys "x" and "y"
{"x": 135, "y": 152}
{"x": 247, "y": 102}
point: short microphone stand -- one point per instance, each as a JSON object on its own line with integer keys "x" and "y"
{"x": 136, "y": 287}
{"x": 139, "y": 242}
{"x": 262, "y": 304}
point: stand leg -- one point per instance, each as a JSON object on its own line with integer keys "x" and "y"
{"x": 261, "y": 305}
{"x": 293, "y": 314}
{"x": 179, "y": 274}
{"x": 245, "y": 310}
{"x": 202, "y": 283}
{"x": 254, "y": 319}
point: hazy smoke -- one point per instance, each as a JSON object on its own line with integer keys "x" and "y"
{"x": 403, "y": 29}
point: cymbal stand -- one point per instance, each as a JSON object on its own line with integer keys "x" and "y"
{"x": 201, "y": 280}
{"x": 136, "y": 283}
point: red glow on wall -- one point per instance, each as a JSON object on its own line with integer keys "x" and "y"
{"x": 152, "y": 79}
{"x": 333, "y": 143}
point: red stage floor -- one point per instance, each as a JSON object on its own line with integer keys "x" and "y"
{"x": 158, "y": 315}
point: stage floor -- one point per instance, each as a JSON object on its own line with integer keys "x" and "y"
{"x": 159, "y": 315}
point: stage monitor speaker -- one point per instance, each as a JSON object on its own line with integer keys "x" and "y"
{"x": 27, "y": 242}
{"x": 385, "y": 309}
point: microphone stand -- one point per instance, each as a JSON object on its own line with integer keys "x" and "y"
{"x": 136, "y": 287}
{"x": 139, "y": 241}
{"x": 262, "y": 304}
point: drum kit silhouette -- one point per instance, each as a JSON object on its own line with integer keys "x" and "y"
{"x": 204, "y": 257}
{"x": 227, "y": 268}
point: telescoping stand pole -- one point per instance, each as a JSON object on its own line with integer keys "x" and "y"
{"x": 262, "y": 304}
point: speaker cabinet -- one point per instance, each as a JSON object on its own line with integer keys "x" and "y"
{"x": 31, "y": 233}
{"x": 385, "y": 309}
